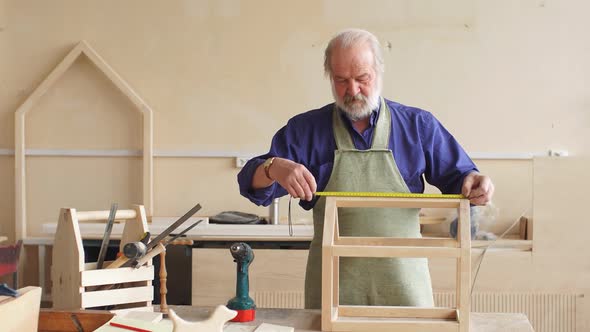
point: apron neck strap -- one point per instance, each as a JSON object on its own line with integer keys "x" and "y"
{"x": 382, "y": 128}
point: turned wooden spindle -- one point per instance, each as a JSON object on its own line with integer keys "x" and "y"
{"x": 164, "y": 274}
{"x": 163, "y": 289}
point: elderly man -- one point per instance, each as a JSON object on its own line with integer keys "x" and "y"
{"x": 363, "y": 142}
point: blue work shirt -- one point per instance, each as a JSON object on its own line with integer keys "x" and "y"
{"x": 421, "y": 146}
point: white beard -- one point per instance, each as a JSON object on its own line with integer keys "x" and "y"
{"x": 360, "y": 106}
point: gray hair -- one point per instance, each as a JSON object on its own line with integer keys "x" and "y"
{"x": 351, "y": 37}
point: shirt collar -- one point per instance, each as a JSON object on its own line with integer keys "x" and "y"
{"x": 374, "y": 116}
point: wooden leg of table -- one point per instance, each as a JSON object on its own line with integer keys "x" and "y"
{"x": 163, "y": 289}
{"x": 41, "y": 264}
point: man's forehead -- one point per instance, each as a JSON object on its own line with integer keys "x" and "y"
{"x": 352, "y": 59}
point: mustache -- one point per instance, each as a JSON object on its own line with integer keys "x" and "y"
{"x": 358, "y": 97}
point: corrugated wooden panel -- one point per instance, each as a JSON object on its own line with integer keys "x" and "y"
{"x": 546, "y": 312}
{"x": 278, "y": 299}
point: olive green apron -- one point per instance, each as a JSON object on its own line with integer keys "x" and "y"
{"x": 369, "y": 281}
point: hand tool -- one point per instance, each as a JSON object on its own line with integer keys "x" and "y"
{"x": 7, "y": 291}
{"x": 126, "y": 262}
{"x": 135, "y": 250}
{"x": 385, "y": 194}
{"x": 242, "y": 302}
{"x": 172, "y": 227}
{"x": 106, "y": 237}
{"x": 76, "y": 322}
{"x": 161, "y": 247}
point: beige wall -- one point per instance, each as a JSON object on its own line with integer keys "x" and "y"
{"x": 223, "y": 75}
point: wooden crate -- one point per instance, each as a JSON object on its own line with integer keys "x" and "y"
{"x": 79, "y": 285}
{"x": 391, "y": 318}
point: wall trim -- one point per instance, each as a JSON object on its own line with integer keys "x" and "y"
{"x": 224, "y": 154}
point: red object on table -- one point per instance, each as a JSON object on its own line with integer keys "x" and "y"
{"x": 127, "y": 327}
{"x": 9, "y": 259}
{"x": 245, "y": 315}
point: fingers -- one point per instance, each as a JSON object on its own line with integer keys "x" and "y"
{"x": 479, "y": 200}
{"x": 478, "y": 188}
{"x": 300, "y": 190}
{"x": 303, "y": 185}
{"x": 310, "y": 181}
{"x": 468, "y": 184}
{"x": 295, "y": 178}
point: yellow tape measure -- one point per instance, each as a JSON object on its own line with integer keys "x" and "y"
{"x": 385, "y": 194}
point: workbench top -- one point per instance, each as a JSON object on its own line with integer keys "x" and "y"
{"x": 310, "y": 320}
{"x": 236, "y": 232}
{"x": 203, "y": 231}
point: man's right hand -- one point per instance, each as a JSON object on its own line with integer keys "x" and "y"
{"x": 294, "y": 177}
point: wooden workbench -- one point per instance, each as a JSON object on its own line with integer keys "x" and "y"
{"x": 310, "y": 320}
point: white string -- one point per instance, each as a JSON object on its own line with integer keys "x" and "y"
{"x": 490, "y": 246}
{"x": 290, "y": 221}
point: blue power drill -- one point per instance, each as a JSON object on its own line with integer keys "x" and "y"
{"x": 242, "y": 303}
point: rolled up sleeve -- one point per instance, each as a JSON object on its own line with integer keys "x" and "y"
{"x": 279, "y": 148}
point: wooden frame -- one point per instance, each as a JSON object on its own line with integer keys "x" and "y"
{"x": 76, "y": 285}
{"x": 382, "y": 318}
{"x": 19, "y": 130}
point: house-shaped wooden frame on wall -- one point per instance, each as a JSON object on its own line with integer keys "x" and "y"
{"x": 19, "y": 131}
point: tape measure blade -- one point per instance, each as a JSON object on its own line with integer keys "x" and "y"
{"x": 386, "y": 194}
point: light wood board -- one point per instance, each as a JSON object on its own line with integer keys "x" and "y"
{"x": 21, "y": 313}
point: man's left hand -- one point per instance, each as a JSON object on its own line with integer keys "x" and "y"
{"x": 478, "y": 188}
